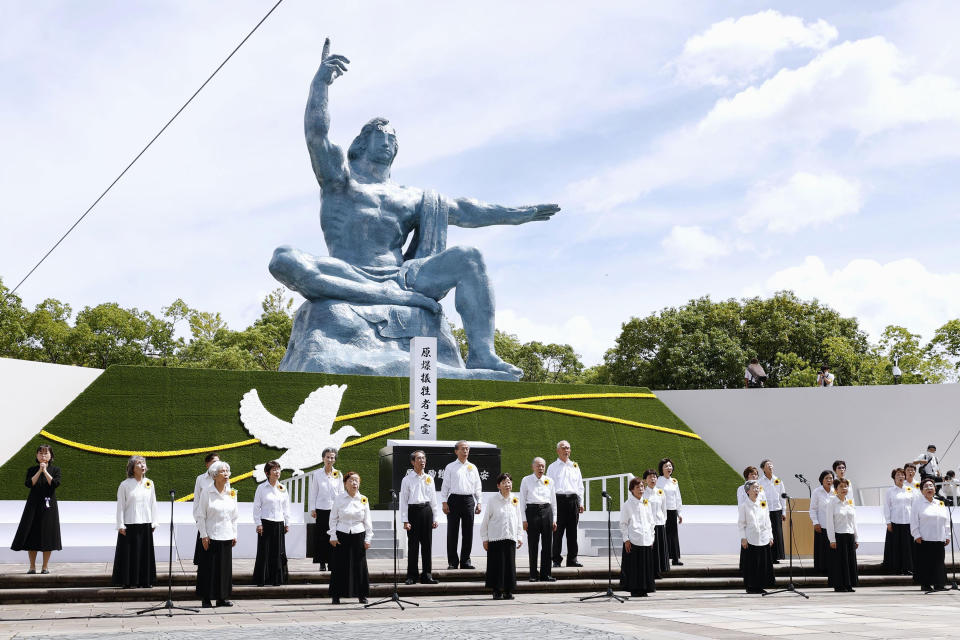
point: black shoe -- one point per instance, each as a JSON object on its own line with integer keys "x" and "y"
{"x": 534, "y": 578}
{"x": 508, "y": 596}
{"x": 574, "y": 564}
{"x": 428, "y": 579}
{"x": 206, "y": 605}
{"x": 323, "y": 566}
{"x": 497, "y": 595}
{"x": 839, "y": 589}
{"x": 336, "y": 600}
{"x": 556, "y": 563}
{"x": 409, "y": 581}
{"x": 677, "y": 563}
{"x": 224, "y": 603}
{"x": 467, "y": 565}
{"x": 935, "y": 589}
{"x": 776, "y": 562}
{"x": 548, "y": 579}
{"x": 362, "y": 601}
{"x": 925, "y": 587}
{"x": 850, "y": 589}
{"x": 451, "y": 567}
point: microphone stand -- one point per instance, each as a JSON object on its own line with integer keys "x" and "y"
{"x": 168, "y": 606}
{"x": 395, "y": 596}
{"x": 609, "y": 594}
{"x": 790, "y": 588}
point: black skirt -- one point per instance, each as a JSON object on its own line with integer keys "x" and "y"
{"x": 843, "y": 562}
{"x": 215, "y": 574}
{"x": 673, "y": 536}
{"x": 757, "y": 567}
{"x": 134, "y": 564}
{"x": 197, "y": 550}
{"x": 776, "y": 524}
{"x": 660, "y": 550}
{"x": 321, "y": 537}
{"x": 270, "y": 566}
{"x": 349, "y": 577}
{"x": 39, "y": 528}
{"x": 638, "y": 569}
{"x": 898, "y": 550}
{"x": 930, "y": 568}
{"x": 821, "y": 552}
{"x": 502, "y": 565}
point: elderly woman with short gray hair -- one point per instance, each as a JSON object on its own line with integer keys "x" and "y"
{"x": 217, "y": 516}
{"x": 134, "y": 564}
{"x": 756, "y": 540}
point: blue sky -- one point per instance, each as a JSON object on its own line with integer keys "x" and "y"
{"x": 697, "y": 148}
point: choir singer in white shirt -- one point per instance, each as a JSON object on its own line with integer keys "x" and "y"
{"x": 460, "y": 492}
{"x": 325, "y": 485}
{"x": 819, "y": 500}
{"x": 538, "y": 504}
{"x": 930, "y": 528}
{"x": 658, "y": 506}
{"x": 351, "y": 530}
{"x": 842, "y": 532}
{"x": 568, "y": 483}
{"x": 897, "y": 506}
{"x": 756, "y": 540}
{"x": 134, "y": 564}
{"x": 671, "y": 490}
{"x": 271, "y": 515}
{"x": 418, "y": 512}
{"x": 773, "y": 487}
{"x": 217, "y": 516}
{"x": 639, "y": 566}
{"x": 501, "y": 532}
{"x": 200, "y": 484}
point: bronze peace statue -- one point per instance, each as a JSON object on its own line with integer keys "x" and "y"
{"x": 369, "y": 297}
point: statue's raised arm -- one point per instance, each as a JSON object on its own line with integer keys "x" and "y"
{"x": 327, "y": 158}
{"x": 467, "y": 212}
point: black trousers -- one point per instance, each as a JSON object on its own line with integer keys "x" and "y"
{"x": 349, "y": 576}
{"x": 673, "y": 535}
{"x": 539, "y": 519}
{"x": 842, "y": 566}
{"x": 568, "y": 517}
{"x": 502, "y": 565}
{"x": 419, "y": 538}
{"x": 898, "y": 550}
{"x": 215, "y": 573}
{"x": 321, "y": 538}
{"x": 930, "y": 568}
{"x": 461, "y": 514}
{"x": 776, "y": 524}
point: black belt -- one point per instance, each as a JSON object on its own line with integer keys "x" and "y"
{"x": 568, "y": 496}
{"x": 419, "y": 505}
{"x": 538, "y": 505}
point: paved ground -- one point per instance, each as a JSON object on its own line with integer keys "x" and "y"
{"x": 877, "y": 612}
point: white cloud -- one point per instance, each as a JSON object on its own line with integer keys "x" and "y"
{"x": 902, "y": 292}
{"x": 806, "y": 199}
{"x": 738, "y": 50}
{"x": 577, "y": 331}
{"x": 692, "y": 247}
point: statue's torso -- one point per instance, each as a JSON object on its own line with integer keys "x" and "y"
{"x": 367, "y": 224}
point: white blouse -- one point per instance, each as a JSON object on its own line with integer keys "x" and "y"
{"x": 818, "y": 506}
{"x": 898, "y": 503}
{"x": 501, "y": 519}
{"x": 534, "y": 490}
{"x": 753, "y": 522}
{"x": 217, "y": 514}
{"x": 841, "y": 518}
{"x": 567, "y": 478}
{"x": 271, "y": 503}
{"x": 417, "y": 489}
{"x": 658, "y": 504}
{"x": 351, "y": 515}
{"x": 324, "y": 489}
{"x": 636, "y": 521}
{"x": 671, "y": 489}
{"x": 136, "y": 503}
{"x": 930, "y": 521}
{"x": 774, "y": 489}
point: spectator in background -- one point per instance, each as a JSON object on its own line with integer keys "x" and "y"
{"x": 825, "y": 378}
{"x": 754, "y": 376}
{"x": 950, "y": 490}
{"x": 928, "y": 464}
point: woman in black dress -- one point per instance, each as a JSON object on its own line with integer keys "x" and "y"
{"x": 39, "y": 528}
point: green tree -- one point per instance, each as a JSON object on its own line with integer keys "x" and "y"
{"x": 13, "y": 330}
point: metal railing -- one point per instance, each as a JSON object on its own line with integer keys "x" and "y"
{"x": 622, "y": 480}
{"x": 297, "y": 488}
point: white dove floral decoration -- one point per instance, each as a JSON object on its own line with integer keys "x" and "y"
{"x": 305, "y": 437}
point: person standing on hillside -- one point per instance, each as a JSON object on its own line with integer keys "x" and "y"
{"x": 568, "y": 482}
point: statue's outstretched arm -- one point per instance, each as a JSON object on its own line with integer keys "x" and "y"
{"x": 327, "y": 158}
{"x": 467, "y": 212}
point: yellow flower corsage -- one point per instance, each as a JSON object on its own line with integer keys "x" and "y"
{"x": 660, "y": 492}
{"x": 428, "y": 479}
{"x": 916, "y": 484}
{"x": 763, "y": 503}
{"x": 645, "y": 501}
{"x": 673, "y": 480}
{"x": 515, "y": 501}
{"x": 849, "y": 500}
{"x": 776, "y": 481}
{"x": 469, "y": 467}
{"x": 940, "y": 502}
{"x": 546, "y": 481}
{"x": 280, "y": 486}
{"x": 363, "y": 499}
{"x": 233, "y": 493}
{"x": 909, "y": 489}
{"x": 335, "y": 474}
{"x": 147, "y": 484}
{"x": 576, "y": 466}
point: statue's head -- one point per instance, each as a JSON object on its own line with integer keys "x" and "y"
{"x": 377, "y": 141}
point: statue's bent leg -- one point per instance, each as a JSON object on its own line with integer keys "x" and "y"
{"x": 463, "y": 268}
{"x": 320, "y": 277}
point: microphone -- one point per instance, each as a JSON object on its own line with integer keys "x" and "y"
{"x": 172, "y": 493}
{"x": 784, "y": 496}
{"x": 605, "y": 494}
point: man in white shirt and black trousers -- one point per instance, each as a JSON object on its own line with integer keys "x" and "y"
{"x": 418, "y": 508}
{"x": 461, "y": 492}
{"x": 538, "y": 504}
{"x": 568, "y": 483}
